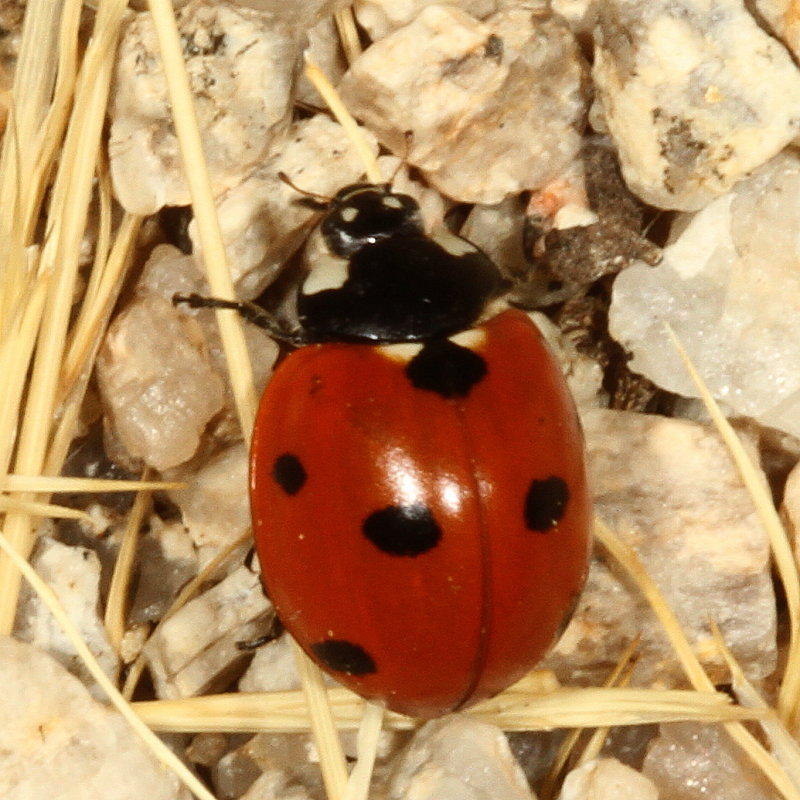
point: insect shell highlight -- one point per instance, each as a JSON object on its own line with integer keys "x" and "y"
{"x": 419, "y": 497}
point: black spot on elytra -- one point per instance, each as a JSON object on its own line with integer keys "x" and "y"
{"x": 545, "y": 503}
{"x": 408, "y": 530}
{"x": 446, "y": 368}
{"x": 340, "y": 655}
{"x": 289, "y": 473}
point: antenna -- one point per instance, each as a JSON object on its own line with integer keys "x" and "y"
{"x": 313, "y": 199}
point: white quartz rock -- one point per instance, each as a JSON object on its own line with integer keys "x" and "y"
{"x": 299, "y": 12}
{"x": 269, "y": 767}
{"x": 583, "y": 374}
{"x": 324, "y": 49}
{"x": 669, "y": 489}
{"x": 607, "y": 779}
{"x": 695, "y": 96}
{"x": 241, "y": 64}
{"x": 275, "y": 784}
{"x": 432, "y": 205}
{"x": 381, "y": 17}
{"x": 197, "y": 645}
{"x": 167, "y": 559}
{"x": 169, "y": 272}
{"x": 262, "y": 219}
{"x": 689, "y": 761}
{"x": 730, "y": 289}
{"x": 783, "y": 19}
{"x": 206, "y": 748}
{"x": 157, "y": 383}
{"x": 56, "y": 741}
{"x": 498, "y": 230}
{"x": 581, "y": 15}
{"x": 492, "y": 106}
{"x": 273, "y": 668}
{"x": 459, "y": 758}
{"x": 73, "y": 573}
{"x": 791, "y": 506}
{"x": 215, "y": 505}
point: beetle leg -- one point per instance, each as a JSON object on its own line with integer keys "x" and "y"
{"x": 253, "y": 313}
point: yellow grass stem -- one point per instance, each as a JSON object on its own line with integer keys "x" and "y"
{"x": 215, "y": 259}
{"x": 348, "y": 34}
{"x": 68, "y": 211}
{"x": 320, "y": 715}
{"x": 789, "y": 694}
{"x": 191, "y": 588}
{"x": 549, "y": 786}
{"x": 628, "y": 559}
{"x": 117, "y": 602}
{"x": 367, "y": 745}
{"x": 784, "y": 745}
{"x": 345, "y": 119}
{"x": 514, "y": 710}
{"x": 59, "y": 483}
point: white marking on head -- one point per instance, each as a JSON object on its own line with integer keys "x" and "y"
{"x": 348, "y": 213}
{"x": 391, "y": 202}
{"x": 328, "y": 272}
{"x": 472, "y": 338}
{"x": 402, "y": 352}
{"x": 453, "y": 244}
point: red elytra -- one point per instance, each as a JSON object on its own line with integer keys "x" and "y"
{"x": 422, "y": 544}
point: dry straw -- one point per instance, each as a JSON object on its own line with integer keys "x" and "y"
{"x": 53, "y": 141}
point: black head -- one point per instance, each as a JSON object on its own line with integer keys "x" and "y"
{"x": 365, "y": 213}
{"x": 381, "y": 278}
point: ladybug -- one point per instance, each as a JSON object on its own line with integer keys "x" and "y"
{"x": 418, "y": 490}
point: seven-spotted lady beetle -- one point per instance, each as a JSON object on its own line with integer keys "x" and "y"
{"x": 419, "y": 496}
